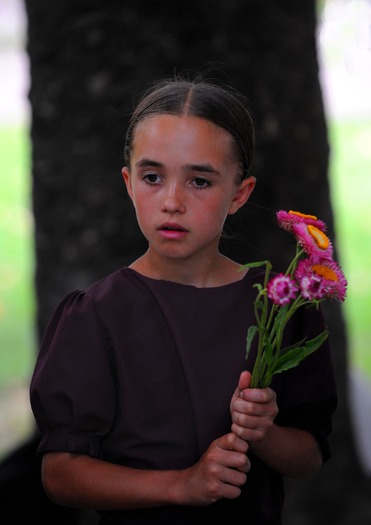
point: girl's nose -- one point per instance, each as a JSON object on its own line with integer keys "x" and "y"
{"x": 173, "y": 200}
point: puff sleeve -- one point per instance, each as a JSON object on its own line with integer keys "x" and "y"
{"x": 72, "y": 388}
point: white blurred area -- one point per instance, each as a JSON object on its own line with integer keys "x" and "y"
{"x": 14, "y": 65}
{"x": 344, "y": 49}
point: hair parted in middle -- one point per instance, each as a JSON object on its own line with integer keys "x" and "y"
{"x": 221, "y": 105}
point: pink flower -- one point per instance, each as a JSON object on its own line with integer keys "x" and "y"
{"x": 311, "y": 277}
{"x": 312, "y": 287}
{"x": 281, "y": 289}
{"x": 286, "y": 220}
{"x": 313, "y": 241}
{"x": 321, "y": 280}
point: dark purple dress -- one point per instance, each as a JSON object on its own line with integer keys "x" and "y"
{"x": 140, "y": 372}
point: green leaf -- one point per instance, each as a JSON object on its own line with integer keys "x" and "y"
{"x": 258, "y": 286}
{"x": 266, "y": 380}
{"x": 268, "y": 353}
{"x": 292, "y": 347}
{"x": 262, "y": 369}
{"x": 280, "y": 315}
{"x": 249, "y": 338}
{"x": 293, "y": 357}
{"x": 255, "y": 264}
{"x": 259, "y": 304}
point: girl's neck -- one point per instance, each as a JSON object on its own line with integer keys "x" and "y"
{"x": 217, "y": 272}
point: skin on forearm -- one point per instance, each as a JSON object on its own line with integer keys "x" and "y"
{"x": 78, "y": 480}
{"x": 85, "y": 482}
{"x": 290, "y": 451}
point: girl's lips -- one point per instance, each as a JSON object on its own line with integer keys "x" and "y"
{"x": 171, "y": 226}
{"x": 172, "y": 231}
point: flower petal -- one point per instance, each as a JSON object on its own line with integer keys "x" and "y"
{"x": 321, "y": 280}
{"x": 286, "y": 220}
{"x": 313, "y": 241}
{"x": 282, "y": 289}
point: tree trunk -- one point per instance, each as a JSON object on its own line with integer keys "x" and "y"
{"x": 89, "y": 60}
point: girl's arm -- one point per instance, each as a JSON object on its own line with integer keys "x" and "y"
{"x": 82, "y": 481}
{"x": 291, "y": 451}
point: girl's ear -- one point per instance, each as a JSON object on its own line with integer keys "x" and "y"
{"x": 242, "y": 194}
{"x": 126, "y": 176}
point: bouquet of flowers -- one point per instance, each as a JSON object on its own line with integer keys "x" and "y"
{"x": 311, "y": 277}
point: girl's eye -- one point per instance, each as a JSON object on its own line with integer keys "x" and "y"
{"x": 151, "y": 178}
{"x": 200, "y": 182}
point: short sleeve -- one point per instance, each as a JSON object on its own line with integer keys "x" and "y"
{"x": 71, "y": 390}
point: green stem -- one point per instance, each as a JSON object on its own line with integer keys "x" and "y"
{"x": 261, "y": 323}
{"x": 293, "y": 264}
{"x": 270, "y": 330}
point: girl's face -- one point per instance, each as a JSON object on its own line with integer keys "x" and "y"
{"x": 182, "y": 182}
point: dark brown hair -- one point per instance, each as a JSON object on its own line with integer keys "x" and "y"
{"x": 222, "y": 105}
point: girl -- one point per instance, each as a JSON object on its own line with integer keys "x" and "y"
{"x": 141, "y": 387}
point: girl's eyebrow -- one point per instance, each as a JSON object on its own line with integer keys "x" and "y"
{"x": 203, "y": 168}
{"x": 146, "y": 163}
{"x": 200, "y": 168}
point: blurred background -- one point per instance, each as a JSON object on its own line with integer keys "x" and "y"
{"x": 344, "y": 46}
{"x": 17, "y": 341}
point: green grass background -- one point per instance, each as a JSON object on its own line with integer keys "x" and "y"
{"x": 350, "y": 169}
{"x": 17, "y": 309}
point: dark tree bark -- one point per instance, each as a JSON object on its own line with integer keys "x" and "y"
{"x": 89, "y": 61}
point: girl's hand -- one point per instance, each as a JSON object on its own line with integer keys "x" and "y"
{"x": 219, "y": 473}
{"x": 253, "y": 411}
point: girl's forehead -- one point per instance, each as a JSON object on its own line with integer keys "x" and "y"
{"x": 172, "y": 119}
{"x": 182, "y": 140}
{"x": 179, "y": 126}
